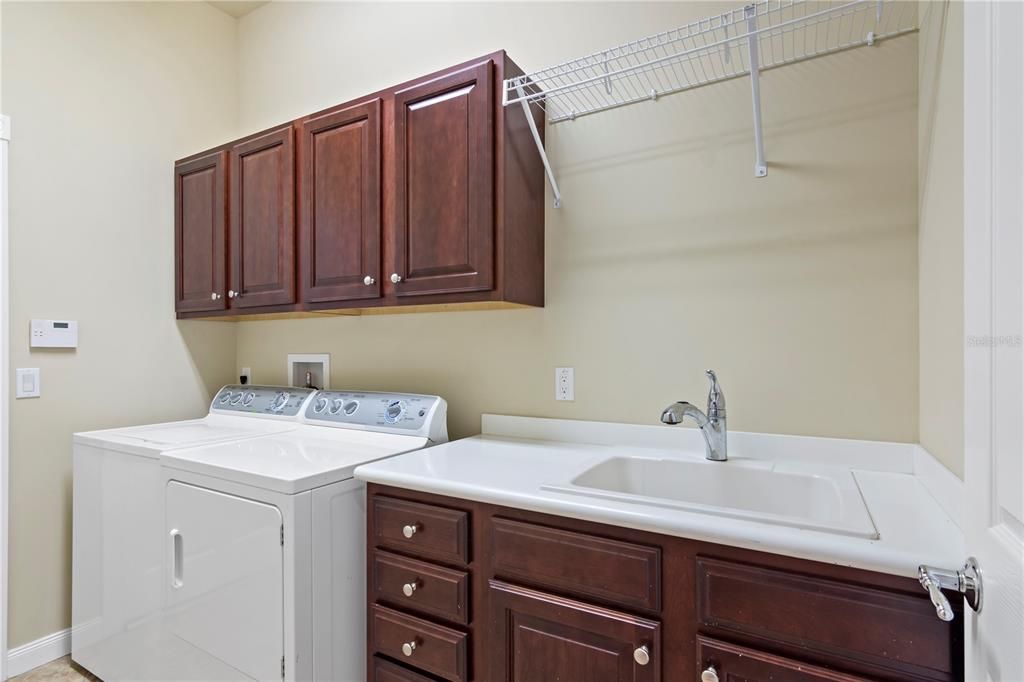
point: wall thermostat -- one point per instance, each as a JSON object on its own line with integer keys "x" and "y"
{"x": 54, "y": 334}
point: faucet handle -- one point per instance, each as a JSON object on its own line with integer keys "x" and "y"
{"x": 716, "y": 398}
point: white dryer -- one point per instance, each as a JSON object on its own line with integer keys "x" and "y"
{"x": 263, "y": 572}
{"x": 118, "y": 551}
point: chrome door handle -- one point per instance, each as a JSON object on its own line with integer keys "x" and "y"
{"x": 966, "y": 581}
{"x": 177, "y": 560}
{"x": 395, "y": 278}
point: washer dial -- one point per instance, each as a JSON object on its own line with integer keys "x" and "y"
{"x": 237, "y": 399}
{"x": 351, "y": 407}
{"x": 320, "y": 405}
{"x": 336, "y": 405}
{"x": 225, "y": 397}
{"x": 394, "y": 411}
{"x": 280, "y": 400}
{"x": 249, "y": 397}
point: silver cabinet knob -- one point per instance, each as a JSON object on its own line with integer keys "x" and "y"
{"x": 642, "y": 655}
{"x": 395, "y": 278}
{"x": 368, "y": 280}
{"x": 231, "y": 293}
{"x": 709, "y": 674}
{"x": 409, "y": 588}
{"x": 409, "y": 648}
{"x": 410, "y": 530}
{"x": 214, "y": 296}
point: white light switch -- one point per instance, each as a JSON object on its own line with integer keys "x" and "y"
{"x": 27, "y": 382}
{"x": 565, "y": 388}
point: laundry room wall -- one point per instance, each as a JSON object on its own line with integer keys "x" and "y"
{"x": 667, "y": 256}
{"x": 102, "y": 97}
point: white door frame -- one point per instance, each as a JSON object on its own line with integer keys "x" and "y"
{"x": 993, "y": 312}
{"x": 5, "y": 136}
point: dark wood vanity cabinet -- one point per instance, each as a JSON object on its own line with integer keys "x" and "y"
{"x": 426, "y": 194}
{"x": 460, "y": 590}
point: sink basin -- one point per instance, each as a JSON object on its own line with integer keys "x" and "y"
{"x": 790, "y": 494}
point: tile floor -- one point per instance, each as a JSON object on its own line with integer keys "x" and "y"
{"x": 61, "y": 670}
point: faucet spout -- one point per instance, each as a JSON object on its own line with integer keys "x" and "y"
{"x": 712, "y": 424}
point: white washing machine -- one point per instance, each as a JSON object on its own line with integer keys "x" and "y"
{"x": 118, "y": 553}
{"x": 263, "y": 570}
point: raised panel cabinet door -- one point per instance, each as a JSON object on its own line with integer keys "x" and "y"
{"x": 200, "y": 233}
{"x": 539, "y": 636}
{"x": 263, "y": 221}
{"x": 444, "y": 185}
{"x": 339, "y": 204}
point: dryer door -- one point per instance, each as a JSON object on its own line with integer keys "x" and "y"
{"x": 225, "y": 583}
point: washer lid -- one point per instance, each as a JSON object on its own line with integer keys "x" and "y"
{"x": 292, "y": 462}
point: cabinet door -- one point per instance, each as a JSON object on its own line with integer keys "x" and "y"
{"x": 538, "y": 636}
{"x": 339, "y": 204}
{"x": 200, "y": 233}
{"x": 444, "y": 185}
{"x": 225, "y": 586}
{"x": 263, "y": 221}
{"x": 731, "y": 662}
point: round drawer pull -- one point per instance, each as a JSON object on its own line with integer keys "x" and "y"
{"x": 642, "y": 655}
{"x": 409, "y": 589}
{"x": 409, "y": 648}
{"x": 410, "y": 530}
{"x": 395, "y": 278}
{"x": 709, "y": 675}
{"x": 368, "y": 280}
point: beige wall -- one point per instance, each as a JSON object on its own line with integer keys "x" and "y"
{"x": 940, "y": 238}
{"x": 668, "y": 256}
{"x": 102, "y": 98}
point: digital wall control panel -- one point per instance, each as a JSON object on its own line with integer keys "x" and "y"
{"x": 272, "y": 400}
{"x": 406, "y": 411}
{"x": 54, "y": 334}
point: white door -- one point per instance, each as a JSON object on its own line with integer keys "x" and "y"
{"x": 225, "y": 583}
{"x": 993, "y": 315}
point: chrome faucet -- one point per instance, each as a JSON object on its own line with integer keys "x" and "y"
{"x": 712, "y": 424}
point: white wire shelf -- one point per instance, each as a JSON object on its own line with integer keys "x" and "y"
{"x": 738, "y": 42}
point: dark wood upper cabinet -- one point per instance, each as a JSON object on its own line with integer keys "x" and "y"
{"x": 263, "y": 221}
{"x": 200, "y": 233}
{"x": 424, "y": 194}
{"x": 539, "y": 636}
{"x": 444, "y": 186}
{"x": 339, "y": 162}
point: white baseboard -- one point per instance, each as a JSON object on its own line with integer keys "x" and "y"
{"x": 945, "y": 486}
{"x": 23, "y": 658}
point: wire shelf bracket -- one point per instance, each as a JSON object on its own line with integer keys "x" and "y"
{"x": 738, "y": 43}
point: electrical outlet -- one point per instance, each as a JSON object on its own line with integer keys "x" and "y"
{"x": 565, "y": 388}
{"x": 246, "y": 376}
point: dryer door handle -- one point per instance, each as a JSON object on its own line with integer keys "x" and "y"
{"x": 177, "y": 560}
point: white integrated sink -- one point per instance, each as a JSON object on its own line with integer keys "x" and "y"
{"x": 790, "y": 493}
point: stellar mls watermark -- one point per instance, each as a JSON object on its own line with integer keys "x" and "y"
{"x": 990, "y": 341}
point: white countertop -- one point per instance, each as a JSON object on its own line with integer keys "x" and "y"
{"x": 516, "y": 460}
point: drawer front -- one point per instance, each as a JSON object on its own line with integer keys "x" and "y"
{"x": 880, "y": 629}
{"x": 434, "y": 649}
{"x": 421, "y": 529}
{"x": 419, "y": 586}
{"x": 614, "y": 571}
{"x": 386, "y": 671}
{"x": 732, "y": 662}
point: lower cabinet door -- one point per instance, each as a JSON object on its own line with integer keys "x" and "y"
{"x": 731, "y": 662}
{"x": 386, "y": 671}
{"x": 225, "y": 590}
{"x": 539, "y": 636}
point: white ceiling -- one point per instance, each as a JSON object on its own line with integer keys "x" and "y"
{"x": 238, "y": 8}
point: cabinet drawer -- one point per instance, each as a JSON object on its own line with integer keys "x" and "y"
{"x": 733, "y": 662}
{"x": 824, "y": 619}
{"x": 614, "y": 571}
{"x": 435, "y": 649}
{"x": 419, "y": 586}
{"x": 386, "y": 671}
{"x": 421, "y": 529}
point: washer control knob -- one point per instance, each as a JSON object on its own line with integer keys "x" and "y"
{"x": 280, "y": 400}
{"x": 237, "y": 398}
{"x": 336, "y": 405}
{"x": 320, "y": 405}
{"x": 351, "y": 407}
{"x": 225, "y": 397}
{"x": 249, "y": 397}
{"x": 394, "y": 411}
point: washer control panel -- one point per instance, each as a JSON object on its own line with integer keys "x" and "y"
{"x": 403, "y": 412}
{"x": 261, "y": 400}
